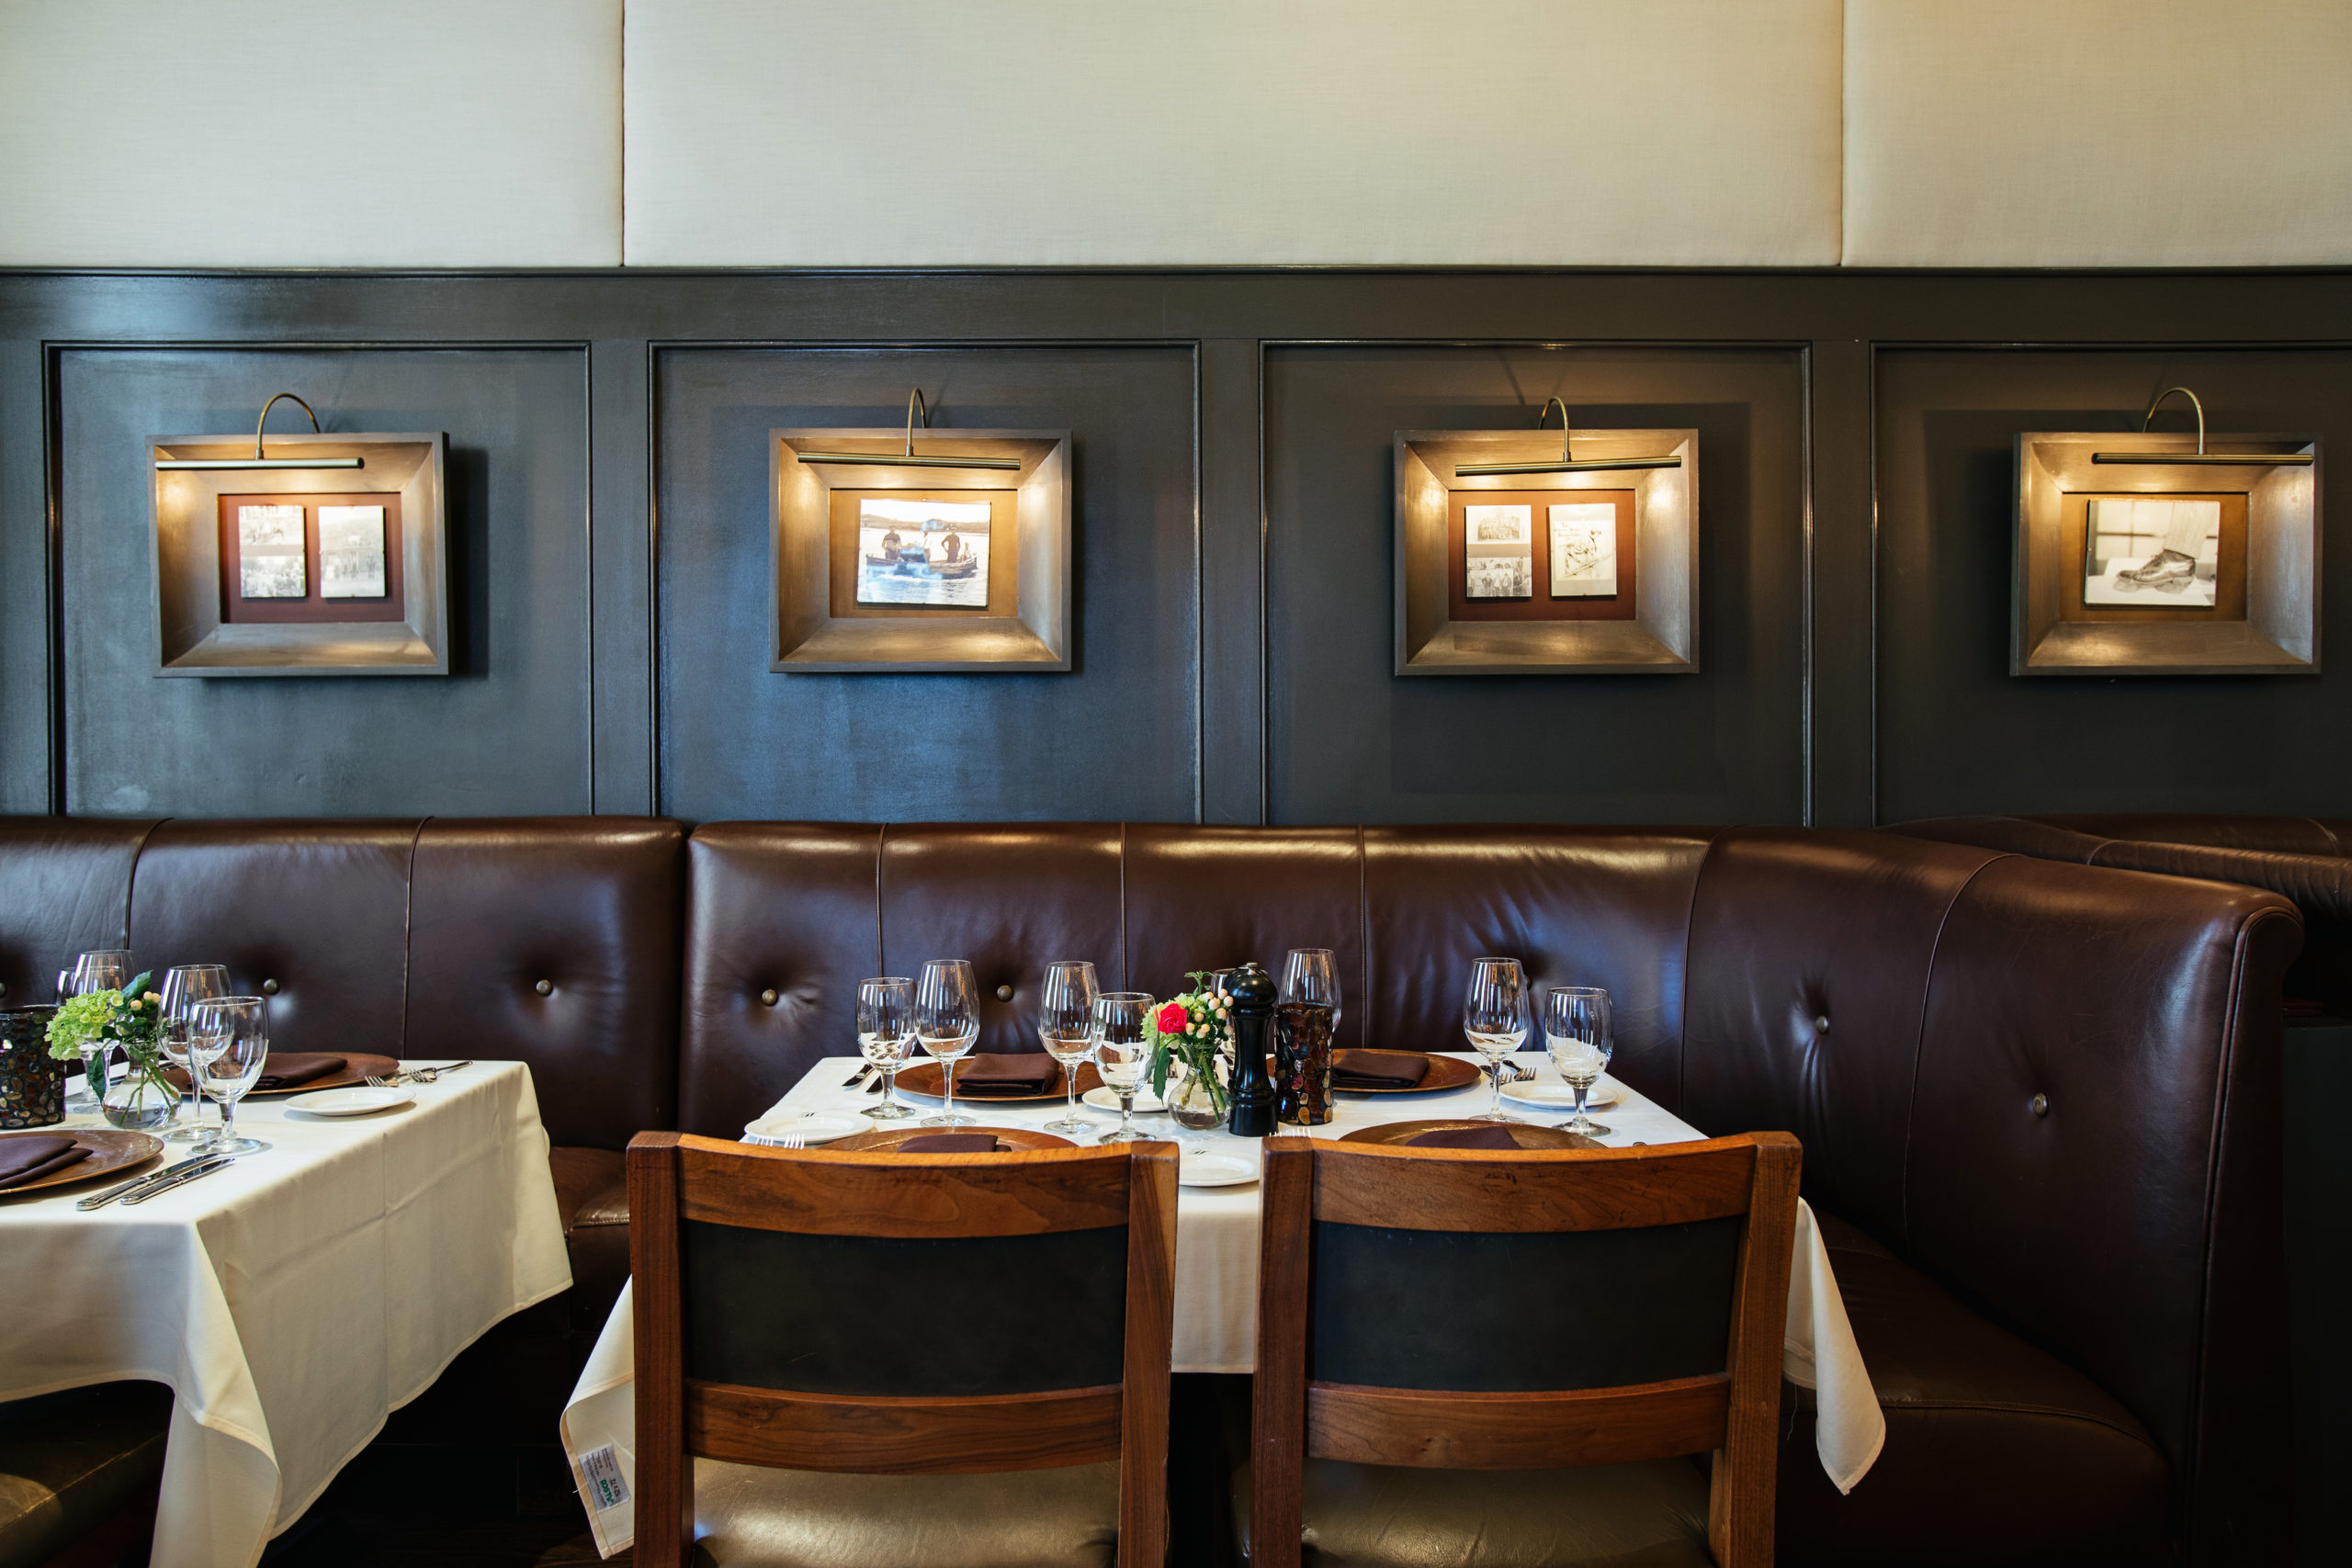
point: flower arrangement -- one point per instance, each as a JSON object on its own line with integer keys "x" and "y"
{"x": 1193, "y": 1027}
{"x": 133, "y": 1018}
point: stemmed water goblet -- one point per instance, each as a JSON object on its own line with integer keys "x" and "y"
{"x": 948, "y": 1021}
{"x": 1494, "y": 1018}
{"x": 185, "y": 985}
{"x": 1576, "y": 1032}
{"x": 1124, "y": 1043}
{"x": 227, "y": 1043}
{"x": 104, "y": 969}
{"x": 1065, "y": 1024}
{"x": 885, "y": 1027}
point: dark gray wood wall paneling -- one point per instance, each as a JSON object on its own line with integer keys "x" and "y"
{"x": 1860, "y": 681}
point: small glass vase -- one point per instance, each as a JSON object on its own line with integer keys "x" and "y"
{"x": 1191, "y": 1100}
{"x": 136, "y": 1102}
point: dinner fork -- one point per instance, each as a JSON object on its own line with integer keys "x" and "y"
{"x": 377, "y": 1081}
{"x": 433, "y": 1075}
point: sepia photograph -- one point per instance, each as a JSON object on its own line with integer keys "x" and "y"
{"x": 2151, "y": 553}
{"x": 1499, "y": 555}
{"x": 351, "y": 552}
{"x": 1584, "y": 549}
{"x": 270, "y": 553}
{"x": 923, "y": 552}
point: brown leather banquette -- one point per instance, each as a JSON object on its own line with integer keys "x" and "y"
{"x": 2307, "y": 859}
{"x": 2039, "y": 1101}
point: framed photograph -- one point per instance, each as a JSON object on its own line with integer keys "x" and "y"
{"x": 284, "y": 571}
{"x": 272, "y": 560}
{"x": 1498, "y": 552}
{"x": 351, "y": 552}
{"x": 932, "y": 552}
{"x": 1584, "y": 549}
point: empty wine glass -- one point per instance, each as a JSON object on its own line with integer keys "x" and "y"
{"x": 1066, "y": 1023}
{"x": 1494, "y": 1017}
{"x": 948, "y": 1021}
{"x": 1124, "y": 1042}
{"x": 1575, "y": 1031}
{"x": 102, "y": 969}
{"x": 185, "y": 985}
{"x": 885, "y": 1027}
{"x": 227, "y": 1043}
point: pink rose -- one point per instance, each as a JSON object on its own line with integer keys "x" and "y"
{"x": 1173, "y": 1018}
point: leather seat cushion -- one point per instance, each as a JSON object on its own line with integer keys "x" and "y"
{"x": 592, "y": 1195}
{"x": 73, "y": 1460}
{"x": 1995, "y": 1452}
{"x": 1617, "y": 1516}
{"x": 747, "y": 1516}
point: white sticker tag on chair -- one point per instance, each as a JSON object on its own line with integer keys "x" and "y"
{"x": 606, "y": 1489}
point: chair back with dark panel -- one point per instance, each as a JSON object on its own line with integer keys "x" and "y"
{"x": 804, "y": 1318}
{"x": 1457, "y": 1310}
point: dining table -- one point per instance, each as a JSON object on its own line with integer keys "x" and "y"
{"x": 1216, "y": 1262}
{"x": 292, "y": 1300}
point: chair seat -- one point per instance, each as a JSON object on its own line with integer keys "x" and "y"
{"x": 748, "y": 1517}
{"x": 1618, "y": 1516}
{"x": 1972, "y": 1413}
{"x": 72, "y": 1462}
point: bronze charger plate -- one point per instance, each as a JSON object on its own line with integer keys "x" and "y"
{"x": 1526, "y": 1135}
{"x": 928, "y": 1077}
{"x": 357, "y": 1068}
{"x": 1445, "y": 1072}
{"x": 111, "y": 1152}
{"x": 882, "y": 1140}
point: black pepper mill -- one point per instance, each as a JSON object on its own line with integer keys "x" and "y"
{"x": 1251, "y": 991}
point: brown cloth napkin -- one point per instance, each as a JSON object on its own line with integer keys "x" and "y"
{"x": 1488, "y": 1137}
{"x": 950, "y": 1144}
{"x": 30, "y": 1159}
{"x": 281, "y": 1069}
{"x": 1374, "y": 1069}
{"x": 1026, "y": 1073}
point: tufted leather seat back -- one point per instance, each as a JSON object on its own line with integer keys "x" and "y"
{"x": 399, "y": 938}
{"x": 64, "y": 889}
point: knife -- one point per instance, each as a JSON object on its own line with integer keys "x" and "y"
{"x": 100, "y": 1199}
{"x": 180, "y": 1178}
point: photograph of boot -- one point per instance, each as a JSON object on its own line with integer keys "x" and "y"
{"x": 2166, "y": 571}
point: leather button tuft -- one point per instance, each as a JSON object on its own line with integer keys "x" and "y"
{"x": 2038, "y": 1105}
{"x": 1005, "y": 993}
{"x": 3, "y": 988}
{"x": 1821, "y": 1021}
{"x": 769, "y": 998}
{"x": 545, "y": 988}
{"x": 269, "y": 988}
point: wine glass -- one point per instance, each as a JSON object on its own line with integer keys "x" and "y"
{"x": 947, "y": 1019}
{"x": 1309, "y": 976}
{"x": 1575, "y": 1031}
{"x": 1493, "y": 1016}
{"x": 1066, "y": 1023}
{"x": 1124, "y": 1042}
{"x": 885, "y": 1027}
{"x": 185, "y": 985}
{"x": 227, "y": 1043}
{"x": 102, "y": 969}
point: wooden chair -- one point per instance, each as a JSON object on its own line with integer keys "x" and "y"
{"x": 1430, "y": 1320}
{"x": 839, "y": 1355}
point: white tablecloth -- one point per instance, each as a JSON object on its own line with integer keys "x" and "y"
{"x": 293, "y": 1301}
{"x": 1216, "y": 1283}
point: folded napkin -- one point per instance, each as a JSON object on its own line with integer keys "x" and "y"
{"x": 1029, "y": 1072}
{"x": 950, "y": 1144}
{"x": 31, "y": 1158}
{"x": 285, "y": 1069}
{"x": 1491, "y": 1136}
{"x": 1377, "y": 1069}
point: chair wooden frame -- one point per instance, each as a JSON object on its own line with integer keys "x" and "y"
{"x": 675, "y": 1177}
{"x": 1733, "y": 1413}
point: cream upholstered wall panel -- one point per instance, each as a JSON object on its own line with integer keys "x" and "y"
{"x": 310, "y": 133}
{"x": 2098, "y": 132}
{"x": 774, "y": 133}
